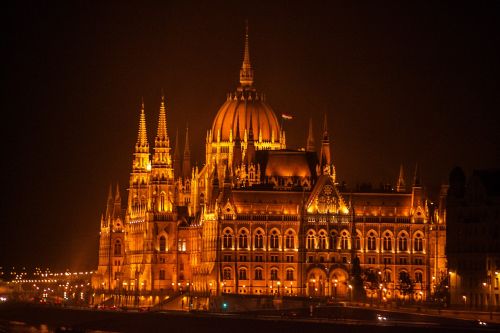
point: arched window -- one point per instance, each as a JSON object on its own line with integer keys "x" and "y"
{"x": 118, "y": 248}
{"x": 227, "y": 239}
{"x": 259, "y": 240}
{"x": 388, "y": 276}
{"x": 162, "y": 203}
{"x": 310, "y": 241}
{"x": 227, "y": 274}
{"x": 387, "y": 242}
{"x": 162, "y": 274}
{"x": 242, "y": 274}
{"x": 344, "y": 241}
{"x": 243, "y": 240}
{"x": 258, "y": 274}
{"x": 418, "y": 243}
{"x": 289, "y": 240}
{"x": 372, "y": 241}
{"x": 274, "y": 240}
{"x": 322, "y": 241}
{"x": 404, "y": 277}
{"x": 418, "y": 277}
{"x": 403, "y": 243}
{"x": 333, "y": 240}
{"x": 289, "y": 274}
{"x": 357, "y": 242}
{"x": 163, "y": 244}
{"x": 274, "y": 274}
{"x": 182, "y": 245}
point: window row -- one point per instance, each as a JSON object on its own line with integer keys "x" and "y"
{"x": 258, "y": 274}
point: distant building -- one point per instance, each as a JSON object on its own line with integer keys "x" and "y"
{"x": 473, "y": 238}
{"x": 260, "y": 219}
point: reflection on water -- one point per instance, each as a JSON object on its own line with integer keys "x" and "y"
{"x": 22, "y": 327}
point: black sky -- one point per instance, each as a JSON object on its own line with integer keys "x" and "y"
{"x": 401, "y": 83}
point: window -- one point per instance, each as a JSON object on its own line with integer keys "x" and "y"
{"x": 403, "y": 276}
{"x": 403, "y": 261}
{"x": 387, "y": 261}
{"x": 388, "y": 276}
{"x": 243, "y": 258}
{"x": 258, "y": 258}
{"x": 274, "y": 240}
{"x": 243, "y": 273}
{"x": 289, "y": 274}
{"x": 344, "y": 241}
{"x": 274, "y": 274}
{"x": 322, "y": 241}
{"x": 372, "y": 242}
{"x": 227, "y": 258}
{"x": 118, "y": 248}
{"x": 310, "y": 241}
{"x": 289, "y": 240}
{"x": 258, "y": 274}
{"x": 182, "y": 245}
{"x": 163, "y": 244}
{"x": 289, "y": 258}
{"x": 371, "y": 260}
{"x": 162, "y": 202}
{"x": 403, "y": 243}
{"x": 387, "y": 242}
{"x": 418, "y": 277}
{"x": 311, "y": 259}
{"x": 419, "y": 261}
{"x": 333, "y": 240}
{"x": 227, "y": 274}
{"x": 259, "y": 240}
{"x": 274, "y": 258}
{"x": 243, "y": 240}
{"x": 344, "y": 260}
{"x": 227, "y": 239}
{"x": 357, "y": 242}
{"x": 418, "y": 243}
{"x": 162, "y": 274}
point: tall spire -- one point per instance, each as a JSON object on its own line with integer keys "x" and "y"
{"x": 416, "y": 179}
{"x": 186, "y": 162}
{"x": 162, "y": 136}
{"x": 109, "y": 204}
{"x": 246, "y": 71}
{"x": 401, "y": 186}
{"x": 142, "y": 137}
{"x": 177, "y": 156}
{"x": 310, "y": 137}
{"x": 325, "y": 157}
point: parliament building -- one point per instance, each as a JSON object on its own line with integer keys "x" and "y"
{"x": 261, "y": 219}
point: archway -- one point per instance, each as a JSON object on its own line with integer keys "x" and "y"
{"x": 339, "y": 283}
{"x": 316, "y": 282}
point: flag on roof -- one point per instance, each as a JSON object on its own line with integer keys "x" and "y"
{"x": 286, "y": 116}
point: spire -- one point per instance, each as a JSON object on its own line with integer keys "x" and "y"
{"x": 237, "y": 146}
{"x": 310, "y": 137}
{"x": 325, "y": 157}
{"x": 162, "y": 136}
{"x": 142, "y": 137}
{"x": 109, "y": 203}
{"x": 177, "y": 156}
{"x": 250, "y": 144}
{"x": 186, "y": 162}
{"x": 246, "y": 71}
{"x": 401, "y": 186}
{"x": 416, "y": 179}
{"x": 117, "y": 209}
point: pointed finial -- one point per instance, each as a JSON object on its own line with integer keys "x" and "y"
{"x": 401, "y": 186}
{"x": 246, "y": 71}
{"x": 416, "y": 178}
{"x": 162, "y": 136}
{"x": 117, "y": 194}
{"x": 186, "y": 144}
{"x": 142, "y": 138}
{"x": 110, "y": 192}
{"x": 310, "y": 137}
{"x": 325, "y": 128}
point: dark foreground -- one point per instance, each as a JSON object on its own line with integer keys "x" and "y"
{"x": 31, "y": 318}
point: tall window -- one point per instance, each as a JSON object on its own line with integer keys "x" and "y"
{"x": 357, "y": 242}
{"x": 418, "y": 277}
{"x": 403, "y": 243}
{"x": 372, "y": 241}
{"x": 333, "y": 240}
{"x": 310, "y": 241}
{"x": 118, "y": 248}
{"x": 182, "y": 245}
{"x": 227, "y": 240}
{"x": 227, "y": 274}
{"x": 274, "y": 274}
{"x": 259, "y": 240}
{"x": 322, "y": 241}
{"x": 418, "y": 243}
{"x": 163, "y": 244}
{"x": 289, "y": 274}
{"x": 162, "y": 203}
{"x": 344, "y": 241}
{"x": 243, "y": 273}
{"x": 162, "y": 274}
{"x": 289, "y": 240}
{"x": 274, "y": 240}
{"x": 387, "y": 242}
{"x": 258, "y": 274}
{"x": 243, "y": 240}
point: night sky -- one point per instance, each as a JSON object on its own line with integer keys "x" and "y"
{"x": 401, "y": 83}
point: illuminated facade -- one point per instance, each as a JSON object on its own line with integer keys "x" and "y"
{"x": 260, "y": 219}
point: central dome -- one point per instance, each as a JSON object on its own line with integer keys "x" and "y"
{"x": 239, "y": 110}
